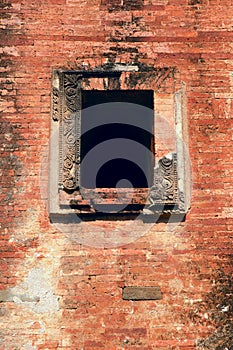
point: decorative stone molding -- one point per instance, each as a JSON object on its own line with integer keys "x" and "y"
{"x": 71, "y": 131}
{"x": 165, "y": 186}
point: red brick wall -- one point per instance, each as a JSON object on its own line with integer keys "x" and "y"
{"x": 58, "y": 293}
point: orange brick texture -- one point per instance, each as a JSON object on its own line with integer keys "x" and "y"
{"x": 60, "y": 293}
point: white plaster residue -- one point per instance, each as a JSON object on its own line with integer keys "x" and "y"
{"x": 29, "y": 347}
{"x": 8, "y": 50}
{"x": 176, "y": 285}
{"x": 35, "y": 292}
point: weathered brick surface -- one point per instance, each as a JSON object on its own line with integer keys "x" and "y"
{"x": 195, "y": 36}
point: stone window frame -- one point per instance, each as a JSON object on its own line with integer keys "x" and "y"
{"x": 170, "y": 190}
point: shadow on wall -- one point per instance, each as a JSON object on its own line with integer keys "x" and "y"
{"x": 216, "y": 310}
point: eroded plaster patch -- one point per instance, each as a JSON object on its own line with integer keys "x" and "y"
{"x": 35, "y": 292}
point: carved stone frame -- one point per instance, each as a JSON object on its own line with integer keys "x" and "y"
{"x": 170, "y": 192}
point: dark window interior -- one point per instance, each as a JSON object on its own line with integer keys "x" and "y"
{"x": 117, "y": 138}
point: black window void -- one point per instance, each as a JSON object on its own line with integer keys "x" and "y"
{"x": 117, "y": 139}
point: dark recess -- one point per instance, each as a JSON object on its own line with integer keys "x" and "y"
{"x": 112, "y": 171}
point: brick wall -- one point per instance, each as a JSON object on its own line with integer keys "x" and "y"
{"x": 60, "y": 291}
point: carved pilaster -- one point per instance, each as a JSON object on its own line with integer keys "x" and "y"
{"x": 165, "y": 188}
{"x": 71, "y": 131}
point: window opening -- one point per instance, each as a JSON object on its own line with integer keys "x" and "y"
{"x": 136, "y": 126}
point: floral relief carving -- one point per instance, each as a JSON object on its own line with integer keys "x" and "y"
{"x": 55, "y": 103}
{"x": 71, "y": 131}
{"x": 165, "y": 189}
